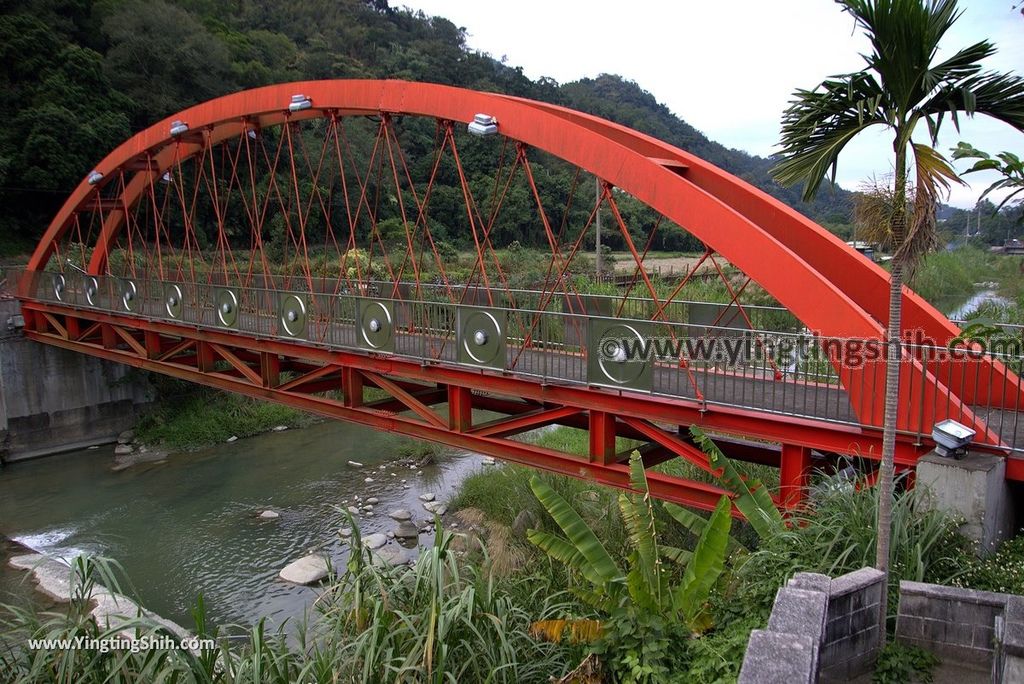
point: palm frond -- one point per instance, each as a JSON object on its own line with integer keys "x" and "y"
{"x": 695, "y": 524}
{"x": 819, "y": 123}
{"x": 638, "y": 515}
{"x": 1000, "y": 96}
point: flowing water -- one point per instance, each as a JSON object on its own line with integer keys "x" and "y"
{"x": 190, "y": 525}
{"x": 960, "y": 307}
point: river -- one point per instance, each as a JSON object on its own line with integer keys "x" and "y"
{"x": 959, "y": 307}
{"x": 190, "y": 525}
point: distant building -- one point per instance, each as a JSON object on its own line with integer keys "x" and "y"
{"x": 865, "y": 248}
{"x": 1014, "y": 246}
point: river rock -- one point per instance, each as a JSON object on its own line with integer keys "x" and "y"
{"x": 436, "y": 507}
{"x": 353, "y": 510}
{"x": 307, "y": 570}
{"x": 280, "y": 428}
{"x": 390, "y": 534}
{"x": 355, "y": 464}
{"x": 427, "y": 496}
{"x": 392, "y": 555}
{"x": 345, "y": 532}
{"x": 232, "y": 438}
{"x": 368, "y": 507}
{"x": 487, "y": 460}
{"x": 406, "y": 486}
{"x": 400, "y": 515}
{"x": 407, "y": 530}
{"x": 269, "y": 514}
{"x": 123, "y": 450}
{"x": 373, "y": 501}
{"x": 375, "y": 541}
{"x": 126, "y": 437}
{"x": 368, "y": 480}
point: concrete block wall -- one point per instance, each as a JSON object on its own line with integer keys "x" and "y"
{"x": 829, "y": 630}
{"x": 1008, "y": 665}
{"x": 820, "y": 629}
{"x": 853, "y": 630}
{"x": 956, "y": 624}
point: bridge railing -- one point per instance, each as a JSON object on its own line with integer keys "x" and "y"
{"x": 788, "y": 373}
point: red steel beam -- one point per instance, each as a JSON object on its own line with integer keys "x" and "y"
{"x": 674, "y": 489}
{"x": 818, "y": 435}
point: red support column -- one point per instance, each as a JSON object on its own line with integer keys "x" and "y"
{"x": 794, "y": 475}
{"x": 352, "y": 387}
{"x": 108, "y": 336}
{"x": 205, "y": 356}
{"x": 460, "y": 408}
{"x": 270, "y": 369}
{"x": 154, "y": 346}
{"x": 602, "y": 437}
{"x": 73, "y": 326}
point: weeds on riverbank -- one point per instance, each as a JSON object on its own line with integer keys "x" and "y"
{"x": 945, "y": 275}
{"x": 442, "y": 620}
{"x": 187, "y": 417}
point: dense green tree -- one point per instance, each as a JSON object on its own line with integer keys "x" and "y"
{"x": 81, "y": 75}
{"x": 163, "y": 58}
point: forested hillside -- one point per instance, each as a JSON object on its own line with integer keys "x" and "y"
{"x": 80, "y": 76}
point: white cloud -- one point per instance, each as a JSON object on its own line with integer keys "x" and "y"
{"x": 727, "y": 68}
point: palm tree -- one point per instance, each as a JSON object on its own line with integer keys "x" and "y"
{"x": 901, "y": 87}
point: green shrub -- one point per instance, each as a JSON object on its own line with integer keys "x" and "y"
{"x": 202, "y": 417}
{"x": 1003, "y": 571}
{"x": 898, "y": 664}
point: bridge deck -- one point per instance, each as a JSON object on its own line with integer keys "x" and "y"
{"x": 555, "y": 355}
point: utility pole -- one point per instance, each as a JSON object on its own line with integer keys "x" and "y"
{"x": 597, "y": 224}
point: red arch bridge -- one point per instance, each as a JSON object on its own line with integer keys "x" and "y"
{"x": 292, "y": 243}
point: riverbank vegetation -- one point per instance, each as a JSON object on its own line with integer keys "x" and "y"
{"x": 186, "y": 416}
{"x": 548, "y": 577}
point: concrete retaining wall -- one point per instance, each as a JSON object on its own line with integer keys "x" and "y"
{"x": 819, "y": 627}
{"x": 957, "y": 624}
{"x": 55, "y": 400}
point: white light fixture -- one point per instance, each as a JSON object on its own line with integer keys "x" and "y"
{"x": 95, "y": 177}
{"x": 178, "y": 127}
{"x": 483, "y": 124}
{"x": 251, "y": 133}
{"x": 166, "y": 178}
{"x": 951, "y": 438}
{"x": 299, "y": 102}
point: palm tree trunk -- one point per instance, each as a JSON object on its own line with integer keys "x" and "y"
{"x": 886, "y": 469}
{"x": 893, "y": 355}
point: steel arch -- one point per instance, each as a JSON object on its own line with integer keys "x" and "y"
{"x": 828, "y": 287}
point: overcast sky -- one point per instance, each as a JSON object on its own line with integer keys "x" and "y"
{"x": 729, "y": 67}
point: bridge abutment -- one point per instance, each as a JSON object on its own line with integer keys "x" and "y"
{"x": 54, "y": 400}
{"x": 973, "y": 488}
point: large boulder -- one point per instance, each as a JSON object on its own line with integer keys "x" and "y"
{"x": 407, "y": 530}
{"x": 307, "y": 570}
{"x": 375, "y": 541}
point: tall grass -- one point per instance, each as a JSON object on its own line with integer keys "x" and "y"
{"x": 837, "y": 535}
{"x": 439, "y": 621}
{"x": 948, "y": 275}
